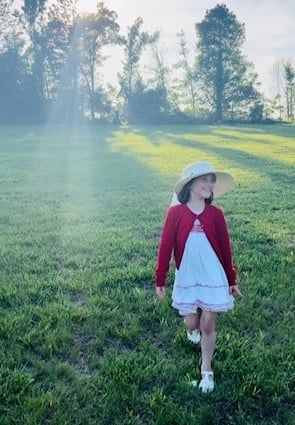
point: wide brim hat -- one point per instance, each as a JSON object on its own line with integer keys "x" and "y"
{"x": 224, "y": 181}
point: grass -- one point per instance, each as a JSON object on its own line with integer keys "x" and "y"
{"x": 83, "y": 340}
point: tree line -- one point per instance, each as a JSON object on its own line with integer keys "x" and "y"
{"x": 51, "y": 57}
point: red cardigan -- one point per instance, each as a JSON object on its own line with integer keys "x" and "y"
{"x": 178, "y": 224}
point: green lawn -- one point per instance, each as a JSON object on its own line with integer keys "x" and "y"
{"x": 83, "y": 339}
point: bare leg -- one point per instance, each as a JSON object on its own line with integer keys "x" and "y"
{"x": 192, "y": 321}
{"x": 207, "y": 326}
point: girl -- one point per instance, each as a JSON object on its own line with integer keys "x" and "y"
{"x": 205, "y": 279}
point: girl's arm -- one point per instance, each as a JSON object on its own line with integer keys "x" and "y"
{"x": 165, "y": 248}
{"x": 226, "y": 251}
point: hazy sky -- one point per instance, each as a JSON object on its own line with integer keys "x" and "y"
{"x": 269, "y": 25}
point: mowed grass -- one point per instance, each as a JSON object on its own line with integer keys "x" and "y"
{"x": 83, "y": 339}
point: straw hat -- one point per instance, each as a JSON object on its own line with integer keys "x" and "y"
{"x": 224, "y": 181}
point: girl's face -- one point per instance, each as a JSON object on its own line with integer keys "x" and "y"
{"x": 202, "y": 186}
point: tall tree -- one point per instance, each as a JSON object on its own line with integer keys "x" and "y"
{"x": 35, "y": 17}
{"x": 290, "y": 89}
{"x": 221, "y": 66}
{"x": 12, "y": 75}
{"x": 12, "y": 35}
{"x": 62, "y": 61}
{"x": 33, "y": 9}
{"x": 283, "y": 76}
{"x": 189, "y": 80}
{"x": 135, "y": 43}
{"x": 5, "y": 17}
{"x": 17, "y": 85}
{"x": 95, "y": 30}
{"x": 277, "y": 73}
{"x": 161, "y": 74}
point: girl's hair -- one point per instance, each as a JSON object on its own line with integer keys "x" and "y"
{"x": 184, "y": 195}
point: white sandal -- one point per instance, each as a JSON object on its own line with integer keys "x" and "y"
{"x": 207, "y": 382}
{"x": 194, "y": 336}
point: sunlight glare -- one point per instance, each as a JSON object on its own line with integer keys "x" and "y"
{"x": 86, "y": 6}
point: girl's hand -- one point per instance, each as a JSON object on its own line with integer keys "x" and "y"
{"x": 235, "y": 291}
{"x": 161, "y": 291}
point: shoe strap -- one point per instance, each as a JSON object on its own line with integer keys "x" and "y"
{"x": 206, "y": 373}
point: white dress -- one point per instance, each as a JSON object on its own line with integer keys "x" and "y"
{"x": 200, "y": 281}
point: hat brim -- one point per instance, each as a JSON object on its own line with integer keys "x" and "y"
{"x": 224, "y": 183}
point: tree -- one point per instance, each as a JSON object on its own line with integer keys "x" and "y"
{"x": 277, "y": 73}
{"x": 189, "y": 81}
{"x": 283, "y": 75}
{"x": 35, "y": 19}
{"x": 19, "y": 84}
{"x": 222, "y": 69}
{"x": 161, "y": 77}
{"x": 146, "y": 105}
{"x": 61, "y": 62}
{"x": 135, "y": 42}
{"x": 290, "y": 89}
{"x": 95, "y": 31}
{"x": 11, "y": 73}
{"x": 5, "y": 22}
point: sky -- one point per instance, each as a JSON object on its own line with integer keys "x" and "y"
{"x": 269, "y": 26}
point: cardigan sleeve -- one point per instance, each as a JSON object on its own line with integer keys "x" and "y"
{"x": 166, "y": 246}
{"x": 226, "y": 252}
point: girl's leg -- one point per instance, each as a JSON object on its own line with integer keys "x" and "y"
{"x": 207, "y": 347}
{"x": 192, "y": 324}
{"x": 207, "y": 326}
{"x": 192, "y": 321}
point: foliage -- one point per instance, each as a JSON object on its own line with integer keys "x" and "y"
{"x": 134, "y": 43}
{"x": 32, "y": 9}
{"x": 6, "y": 24}
{"x": 83, "y": 340}
{"x": 188, "y": 82}
{"x": 147, "y": 106}
{"x": 95, "y": 31}
{"x": 19, "y": 100}
{"x": 220, "y": 64}
{"x": 60, "y": 59}
{"x": 290, "y": 89}
{"x": 282, "y": 103}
